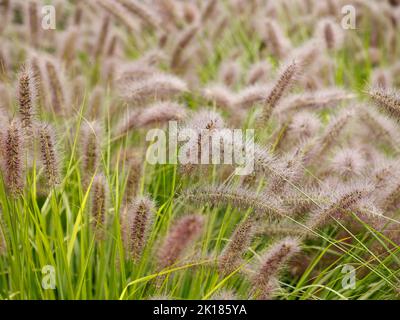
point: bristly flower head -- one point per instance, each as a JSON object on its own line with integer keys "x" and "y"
{"x": 331, "y": 33}
{"x": 138, "y": 222}
{"x": 99, "y": 204}
{"x": 240, "y": 198}
{"x": 388, "y": 99}
{"x": 13, "y": 166}
{"x": 48, "y": 154}
{"x": 155, "y": 114}
{"x": 26, "y": 99}
{"x": 304, "y": 125}
{"x": 231, "y": 257}
{"x": 272, "y": 262}
{"x": 182, "y": 233}
{"x": 155, "y": 87}
{"x": 91, "y": 149}
{"x": 287, "y": 76}
{"x": 348, "y": 163}
{"x": 258, "y": 73}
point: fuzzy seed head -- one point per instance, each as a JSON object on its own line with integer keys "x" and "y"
{"x": 272, "y": 262}
{"x": 13, "y": 159}
{"x": 183, "y": 232}
{"x": 48, "y": 155}
{"x": 139, "y": 220}
{"x": 99, "y": 204}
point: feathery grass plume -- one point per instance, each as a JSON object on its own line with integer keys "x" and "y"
{"x": 68, "y": 45}
{"x": 37, "y": 74}
{"x": 389, "y": 199}
{"x": 48, "y": 154}
{"x": 133, "y": 72}
{"x": 346, "y": 199}
{"x": 183, "y": 232}
{"x": 264, "y": 161}
{"x": 231, "y": 257}
{"x": 169, "y": 12}
{"x": 381, "y": 78}
{"x": 250, "y": 96}
{"x": 183, "y": 41}
{"x": 220, "y": 94}
{"x": 99, "y": 204}
{"x": 304, "y": 125}
{"x": 13, "y": 166}
{"x": 224, "y": 294}
{"x": 379, "y": 126}
{"x": 95, "y": 107}
{"x": 271, "y": 265}
{"x": 298, "y": 202}
{"x": 330, "y": 136}
{"x": 229, "y": 73}
{"x": 205, "y": 123}
{"x": 280, "y": 230}
{"x": 286, "y": 78}
{"x": 101, "y": 39}
{"x": 191, "y": 12}
{"x": 139, "y": 219}
{"x": 78, "y": 91}
{"x": 33, "y": 19}
{"x": 78, "y": 13}
{"x": 134, "y": 174}
{"x": 313, "y": 100}
{"x": 155, "y": 87}
{"x": 384, "y": 174}
{"x": 387, "y": 99}
{"x": 308, "y": 54}
{"x": 5, "y": 6}
{"x": 348, "y": 163}
{"x": 288, "y": 171}
{"x": 240, "y": 198}
{"x": 91, "y": 149}
{"x": 208, "y": 10}
{"x": 157, "y": 113}
{"x": 278, "y": 43}
{"x": 56, "y": 87}
{"x": 26, "y": 99}
{"x": 331, "y": 33}
{"x": 143, "y": 11}
{"x": 258, "y": 72}
{"x": 119, "y": 13}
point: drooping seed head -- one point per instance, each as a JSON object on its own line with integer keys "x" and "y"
{"x": 155, "y": 87}
{"x": 272, "y": 263}
{"x": 49, "y": 155}
{"x": 231, "y": 257}
{"x": 286, "y": 78}
{"x": 388, "y": 100}
{"x": 182, "y": 233}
